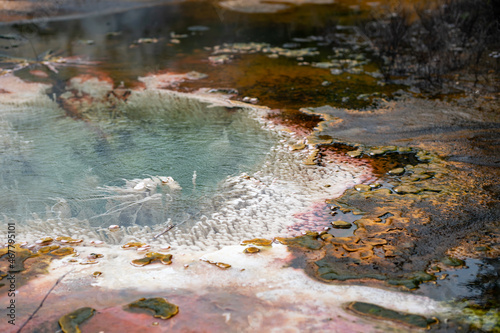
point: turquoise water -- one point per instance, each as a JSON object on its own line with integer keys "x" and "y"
{"x": 78, "y": 161}
{"x": 73, "y": 160}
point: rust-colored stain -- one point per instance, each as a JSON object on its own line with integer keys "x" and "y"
{"x": 150, "y": 257}
{"x": 400, "y": 234}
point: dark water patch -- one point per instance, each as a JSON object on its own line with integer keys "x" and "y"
{"x": 381, "y": 159}
{"x": 412, "y": 51}
{"x": 159, "y": 22}
{"x": 112, "y": 41}
{"x": 38, "y": 12}
{"x": 474, "y": 289}
{"x": 339, "y": 214}
{"x": 384, "y": 163}
{"x": 475, "y": 282}
{"x": 484, "y": 286}
{"x": 462, "y": 132}
{"x": 288, "y": 85}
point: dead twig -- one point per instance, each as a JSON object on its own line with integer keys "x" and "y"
{"x": 43, "y": 300}
{"x": 169, "y": 226}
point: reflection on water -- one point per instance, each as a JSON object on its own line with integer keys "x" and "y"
{"x": 182, "y": 37}
{"x": 109, "y": 37}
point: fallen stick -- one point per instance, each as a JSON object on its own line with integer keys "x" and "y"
{"x": 43, "y": 300}
{"x": 170, "y": 226}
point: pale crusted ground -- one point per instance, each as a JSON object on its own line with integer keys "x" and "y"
{"x": 282, "y": 297}
{"x": 277, "y": 297}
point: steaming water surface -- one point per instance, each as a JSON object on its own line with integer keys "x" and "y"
{"x": 74, "y": 160}
{"x": 68, "y": 162}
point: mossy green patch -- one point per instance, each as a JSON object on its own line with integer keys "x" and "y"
{"x": 150, "y": 257}
{"x": 68, "y": 240}
{"x": 161, "y": 308}
{"x": 308, "y": 241}
{"x": 330, "y": 268}
{"x": 70, "y": 322}
{"x": 20, "y": 254}
{"x": 484, "y": 319}
{"x": 413, "y": 280}
{"x": 48, "y": 248}
{"x": 133, "y": 245}
{"x": 258, "y": 242}
{"x": 251, "y": 249}
{"x": 63, "y": 251}
{"x": 379, "y": 312}
{"x": 453, "y": 262}
{"x": 341, "y": 224}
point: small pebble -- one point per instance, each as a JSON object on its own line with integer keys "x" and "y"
{"x": 397, "y": 171}
{"x": 252, "y": 249}
{"x": 341, "y": 224}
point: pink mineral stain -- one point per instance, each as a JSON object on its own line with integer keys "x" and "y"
{"x": 39, "y": 73}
